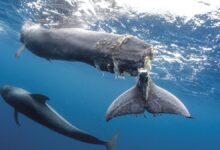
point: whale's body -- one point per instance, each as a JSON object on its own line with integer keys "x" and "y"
{"x": 108, "y": 52}
{"x": 34, "y": 106}
{"x": 120, "y": 54}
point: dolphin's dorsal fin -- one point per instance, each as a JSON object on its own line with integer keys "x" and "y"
{"x": 40, "y": 98}
{"x": 16, "y": 117}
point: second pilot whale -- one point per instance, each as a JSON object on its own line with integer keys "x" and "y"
{"x": 34, "y": 106}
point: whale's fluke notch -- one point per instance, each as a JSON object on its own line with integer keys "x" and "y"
{"x": 16, "y": 117}
{"x": 40, "y": 98}
{"x": 130, "y": 102}
{"x": 161, "y": 101}
{"x": 110, "y": 145}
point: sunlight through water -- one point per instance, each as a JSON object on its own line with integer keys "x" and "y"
{"x": 173, "y": 27}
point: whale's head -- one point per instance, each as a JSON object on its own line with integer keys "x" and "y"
{"x": 32, "y": 38}
{"x": 27, "y": 31}
{"x": 4, "y": 91}
{"x": 16, "y": 97}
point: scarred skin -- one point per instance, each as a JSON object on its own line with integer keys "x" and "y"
{"x": 109, "y": 52}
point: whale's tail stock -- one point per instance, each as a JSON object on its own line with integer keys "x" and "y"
{"x": 110, "y": 145}
{"x": 146, "y": 96}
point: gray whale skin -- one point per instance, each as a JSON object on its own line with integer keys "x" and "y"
{"x": 34, "y": 106}
{"x": 114, "y": 53}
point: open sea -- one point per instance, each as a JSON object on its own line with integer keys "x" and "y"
{"x": 186, "y": 36}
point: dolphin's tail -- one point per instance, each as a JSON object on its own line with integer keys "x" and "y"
{"x": 110, "y": 145}
{"x": 153, "y": 99}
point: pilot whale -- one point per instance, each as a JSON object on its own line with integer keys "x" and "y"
{"x": 114, "y": 53}
{"x": 36, "y": 108}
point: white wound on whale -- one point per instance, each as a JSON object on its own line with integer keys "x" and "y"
{"x": 147, "y": 63}
{"x": 118, "y": 75}
{"x": 146, "y": 69}
{"x": 115, "y": 48}
{"x": 123, "y": 40}
{"x": 114, "y": 45}
{"x": 20, "y": 50}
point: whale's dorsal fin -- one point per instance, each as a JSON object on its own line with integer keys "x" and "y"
{"x": 40, "y": 98}
{"x": 16, "y": 117}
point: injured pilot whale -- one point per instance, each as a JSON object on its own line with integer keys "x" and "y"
{"x": 35, "y": 107}
{"x": 109, "y": 52}
{"x": 120, "y": 54}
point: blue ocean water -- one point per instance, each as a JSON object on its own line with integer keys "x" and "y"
{"x": 186, "y": 63}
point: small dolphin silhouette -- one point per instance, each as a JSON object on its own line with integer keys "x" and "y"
{"x": 34, "y": 106}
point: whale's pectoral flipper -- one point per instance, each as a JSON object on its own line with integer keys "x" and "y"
{"x": 161, "y": 101}
{"x": 20, "y": 50}
{"x": 40, "y": 98}
{"x": 16, "y": 117}
{"x": 130, "y": 102}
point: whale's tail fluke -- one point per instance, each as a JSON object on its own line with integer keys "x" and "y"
{"x": 110, "y": 145}
{"x": 162, "y": 101}
{"x": 146, "y": 96}
{"x": 129, "y": 102}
